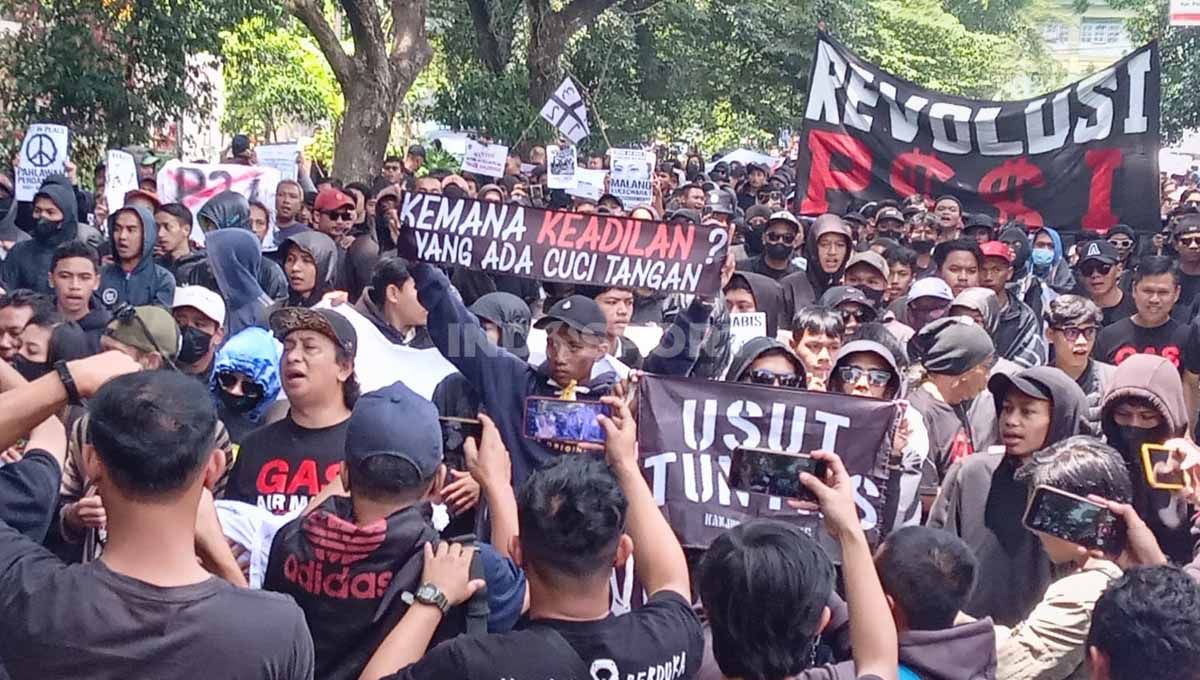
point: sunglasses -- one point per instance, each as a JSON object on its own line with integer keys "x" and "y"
{"x": 770, "y": 196}
{"x": 876, "y": 377}
{"x": 761, "y": 376}
{"x": 1121, "y": 244}
{"x": 1189, "y": 241}
{"x": 1093, "y": 268}
{"x": 776, "y": 237}
{"x": 856, "y": 314}
{"x": 230, "y": 380}
{"x": 343, "y": 215}
{"x": 1072, "y": 333}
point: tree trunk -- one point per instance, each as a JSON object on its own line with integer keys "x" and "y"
{"x": 547, "y": 42}
{"x": 361, "y": 144}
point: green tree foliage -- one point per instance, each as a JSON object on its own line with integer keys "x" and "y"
{"x": 1179, "y": 49}
{"x": 275, "y": 75}
{"x": 115, "y": 71}
{"x": 721, "y": 74}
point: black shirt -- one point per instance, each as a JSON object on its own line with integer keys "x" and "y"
{"x": 281, "y": 466}
{"x": 662, "y": 639}
{"x": 1172, "y": 340}
{"x": 87, "y": 621}
{"x": 1122, "y": 310}
{"x": 758, "y": 265}
{"x": 28, "y": 493}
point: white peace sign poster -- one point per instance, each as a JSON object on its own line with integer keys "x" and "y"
{"x": 43, "y": 153}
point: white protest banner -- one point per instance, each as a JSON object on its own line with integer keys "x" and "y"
{"x": 566, "y": 111}
{"x": 193, "y": 184}
{"x": 120, "y": 177}
{"x": 1185, "y": 13}
{"x": 630, "y": 176}
{"x": 561, "y": 164}
{"x": 281, "y": 156}
{"x": 744, "y": 326}
{"x": 43, "y": 153}
{"x": 588, "y": 183}
{"x": 485, "y": 159}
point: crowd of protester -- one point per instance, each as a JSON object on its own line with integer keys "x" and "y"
{"x": 194, "y": 483}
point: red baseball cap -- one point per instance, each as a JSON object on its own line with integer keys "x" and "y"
{"x": 332, "y": 199}
{"x": 997, "y": 249}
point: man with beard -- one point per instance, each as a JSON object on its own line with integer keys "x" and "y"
{"x": 1100, "y": 271}
{"x": 780, "y": 240}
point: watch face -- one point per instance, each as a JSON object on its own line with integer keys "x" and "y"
{"x": 427, "y": 592}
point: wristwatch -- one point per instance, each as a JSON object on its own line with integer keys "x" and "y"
{"x": 64, "y": 376}
{"x": 431, "y": 595}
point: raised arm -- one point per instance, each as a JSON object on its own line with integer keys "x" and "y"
{"x": 490, "y": 465}
{"x": 658, "y": 557}
{"x": 680, "y": 345}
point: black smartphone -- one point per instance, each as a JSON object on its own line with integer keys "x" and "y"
{"x": 549, "y": 419}
{"x": 454, "y": 434}
{"x": 776, "y": 473}
{"x": 1074, "y": 519}
{"x": 537, "y": 192}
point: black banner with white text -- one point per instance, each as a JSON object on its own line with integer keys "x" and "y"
{"x": 688, "y": 429}
{"x": 1085, "y": 156}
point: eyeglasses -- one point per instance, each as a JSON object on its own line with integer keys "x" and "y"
{"x": 1072, "y": 333}
{"x": 1093, "y": 268}
{"x": 230, "y": 380}
{"x": 876, "y": 377}
{"x": 767, "y": 196}
{"x": 761, "y": 376}
{"x": 776, "y": 237}
{"x": 1189, "y": 241}
{"x": 341, "y": 215}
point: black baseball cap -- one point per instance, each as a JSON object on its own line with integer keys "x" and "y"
{"x": 889, "y": 213}
{"x": 417, "y": 150}
{"x": 1186, "y": 224}
{"x": 579, "y": 312}
{"x": 719, "y": 201}
{"x": 375, "y": 430}
{"x": 1099, "y": 251}
{"x": 980, "y": 220}
{"x": 683, "y": 214}
{"x": 324, "y": 321}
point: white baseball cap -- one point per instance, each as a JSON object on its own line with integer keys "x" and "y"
{"x": 209, "y": 303}
{"x": 930, "y": 286}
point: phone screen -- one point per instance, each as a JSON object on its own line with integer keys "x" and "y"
{"x": 1075, "y": 520}
{"x": 454, "y": 434}
{"x": 1157, "y": 460}
{"x": 568, "y": 421}
{"x": 774, "y": 473}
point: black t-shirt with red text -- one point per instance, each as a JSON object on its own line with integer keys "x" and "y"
{"x": 1173, "y": 340}
{"x": 280, "y": 466}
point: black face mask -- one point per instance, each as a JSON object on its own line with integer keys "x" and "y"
{"x": 237, "y": 403}
{"x": 194, "y": 344}
{"x": 922, "y": 247}
{"x": 779, "y": 251}
{"x": 894, "y": 235}
{"x": 44, "y": 229}
{"x": 1135, "y": 437}
{"x": 875, "y": 296}
{"x": 30, "y": 370}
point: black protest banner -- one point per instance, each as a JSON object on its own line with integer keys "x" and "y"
{"x": 1085, "y": 156}
{"x": 554, "y": 245}
{"x": 688, "y": 429}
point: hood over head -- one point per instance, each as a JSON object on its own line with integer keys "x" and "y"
{"x": 951, "y": 346}
{"x": 324, "y": 252}
{"x": 1153, "y": 379}
{"x": 511, "y": 315}
{"x": 64, "y": 198}
{"x": 1019, "y": 241}
{"x": 985, "y": 302}
{"x": 825, "y": 224}
{"x": 768, "y": 297}
{"x": 226, "y": 210}
{"x": 962, "y": 652}
{"x": 755, "y": 348}
{"x": 235, "y": 259}
{"x": 149, "y": 235}
{"x": 255, "y": 353}
{"x": 1069, "y": 407}
{"x": 895, "y": 385}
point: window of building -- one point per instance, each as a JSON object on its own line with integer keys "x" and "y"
{"x": 1055, "y": 33}
{"x": 1102, "y": 31}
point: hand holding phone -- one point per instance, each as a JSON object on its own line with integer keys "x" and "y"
{"x": 557, "y": 420}
{"x": 1075, "y": 519}
{"x": 776, "y": 473}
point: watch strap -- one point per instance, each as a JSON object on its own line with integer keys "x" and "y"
{"x": 68, "y": 382}
{"x": 432, "y": 595}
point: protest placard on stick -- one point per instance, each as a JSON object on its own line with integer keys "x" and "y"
{"x": 43, "y": 153}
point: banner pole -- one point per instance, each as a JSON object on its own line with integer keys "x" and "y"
{"x": 591, "y": 106}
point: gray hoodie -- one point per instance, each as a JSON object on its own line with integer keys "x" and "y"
{"x": 147, "y": 283}
{"x": 983, "y": 503}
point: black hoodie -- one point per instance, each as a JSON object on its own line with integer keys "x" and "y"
{"x": 768, "y": 298}
{"x": 28, "y": 263}
{"x": 983, "y": 503}
{"x": 820, "y": 280}
{"x": 755, "y": 348}
{"x": 511, "y": 315}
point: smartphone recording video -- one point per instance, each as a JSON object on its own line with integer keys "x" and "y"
{"x": 1160, "y": 472}
{"x": 455, "y": 432}
{"x": 564, "y": 421}
{"x": 1074, "y": 519}
{"x": 776, "y": 473}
